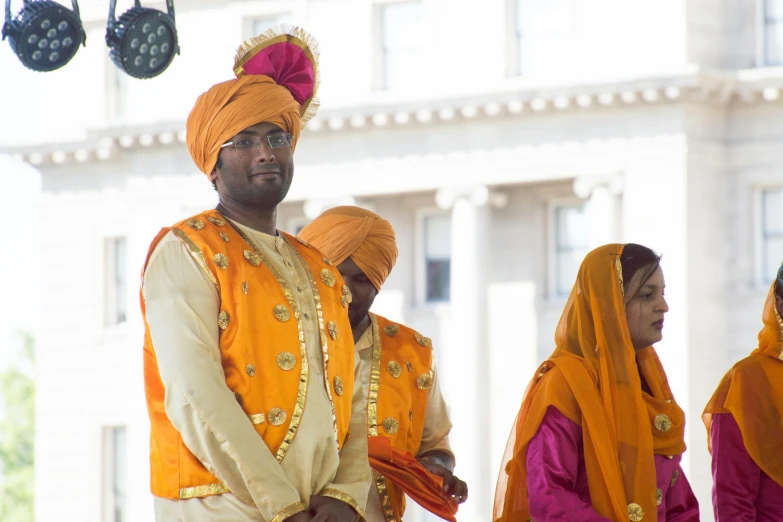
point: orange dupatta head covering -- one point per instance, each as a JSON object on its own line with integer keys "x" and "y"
{"x": 277, "y": 82}
{"x": 752, "y": 392}
{"x": 594, "y": 380}
{"x": 364, "y": 236}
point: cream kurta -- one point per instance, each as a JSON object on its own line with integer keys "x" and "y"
{"x": 437, "y": 424}
{"x": 233, "y": 452}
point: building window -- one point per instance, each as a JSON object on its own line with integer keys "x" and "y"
{"x": 437, "y": 258}
{"x": 771, "y": 233}
{"x": 773, "y": 32}
{"x": 402, "y": 43}
{"x": 572, "y": 236}
{"x": 256, "y": 25}
{"x": 541, "y": 36}
{"x": 115, "y": 507}
{"x": 116, "y": 280}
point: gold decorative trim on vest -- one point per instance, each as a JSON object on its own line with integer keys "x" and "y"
{"x": 202, "y": 491}
{"x": 197, "y": 255}
{"x": 296, "y": 418}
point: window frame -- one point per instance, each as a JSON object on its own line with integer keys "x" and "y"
{"x": 421, "y": 256}
{"x": 552, "y": 244}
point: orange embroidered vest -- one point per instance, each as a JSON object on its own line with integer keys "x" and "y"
{"x": 262, "y": 349}
{"x": 400, "y": 380}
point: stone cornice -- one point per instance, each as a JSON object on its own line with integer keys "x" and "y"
{"x": 718, "y": 87}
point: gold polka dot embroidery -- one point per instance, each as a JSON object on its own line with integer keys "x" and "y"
{"x": 224, "y": 237}
{"x": 328, "y": 277}
{"x": 424, "y": 341}
{"x": 332, "y": 327}
{"x": 252, "y": 258}
{"x": 328, "y": 263}
{"x": 276, "y": 416}
{"x": 635, "y": 512}
{"x": 424, "y": 381}
{"x": 220, "y": 260}
{"x": 258, "y": 418}
{"x": 216, "y": 221}
{"x": 282, "y": 313}
{"x": 238, "y": 397}
{"x": 223, "y": 318}
{"x": 338, "y": 386}
{"x": 391, "y": 425}
{"x": 394, "y": 369}
{"x": 658, "y": 497}
{"x": 409, "y": 366}
{"x": 347, "y": 295}
{"x": 245, "y": 287}
{"x": 286, "y": 361}
{"x": 250, "y": 370}
{"x": 663, "y": 422}
{"x": 195, "y": 224}
{"x": 391, "y": 330}
{"x": 675, "y": 475}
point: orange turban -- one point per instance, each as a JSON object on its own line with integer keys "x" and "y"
{"x": 232, "y": 106}
{"x": 354, "y": 232}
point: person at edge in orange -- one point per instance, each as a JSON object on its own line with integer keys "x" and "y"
{"x": 599, "y": 436}
{"x": 394, "y": 364}
{"x": 249, "y": 398}
{"x": 745, "y": 430}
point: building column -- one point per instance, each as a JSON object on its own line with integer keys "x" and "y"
{"x": 465, "y": 359}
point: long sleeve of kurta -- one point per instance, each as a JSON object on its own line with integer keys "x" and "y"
{"x": 553, "y": 463}
{"x": 735, "y": 475}
{"x": 437, "y": 424}
{"x": 182, "y": 305}
{"x": 678, "y": 504}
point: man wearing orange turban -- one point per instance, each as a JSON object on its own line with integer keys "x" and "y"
{"x": 396, "y": 370}
{"x": 250, "y": 399}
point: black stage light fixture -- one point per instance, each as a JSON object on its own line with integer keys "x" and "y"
{"x": 143, "y": 41}
{"x": 44, "y": 35}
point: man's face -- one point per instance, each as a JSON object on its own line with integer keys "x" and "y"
{"x": 361, "y": 288}
{"x": 256, "y": 178}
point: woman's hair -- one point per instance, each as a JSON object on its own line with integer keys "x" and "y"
{"x": 638, "y": 257}
{"x": 779, "y": 282}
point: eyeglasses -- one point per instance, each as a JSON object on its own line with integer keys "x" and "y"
{"x": 278, "y": 140}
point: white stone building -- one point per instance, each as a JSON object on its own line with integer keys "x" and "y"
{"x": 502, "y": 138}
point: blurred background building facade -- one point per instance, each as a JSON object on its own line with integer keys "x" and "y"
{"x": 503, "y": 139}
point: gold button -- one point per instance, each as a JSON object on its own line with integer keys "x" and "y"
{"x": 424, "y": 341}
{"x": 394, "y": 369}
{"x": 251, "y": 370}
{"x": 195, "y": 224}
{"x": 424, "y": 381}
{"x": 306, "y": 316}
{"x": 220, "y": 260}
{"x": 298, "y": 288}
{"x": 224, "y": 237}
{"x": 286, "y": 361}
{"x": 223, "y": 319}
{"x": 338, "y": 386}
{"x": 326, "y": 261}
{"x": 282, "y": 313}
{"x": 252, "y": 258}
{"x": 276, "y": 416}
{"x": 289, "y": 263}
{"x": 391, "y": 425}
{"x": 635, "y": 512}
{"x": 328, "y": 277}
{"x": 216, "y": 221}
{"x": 663, "y": 422}
{"x": 391, "y": 330}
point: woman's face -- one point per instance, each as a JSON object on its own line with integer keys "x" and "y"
{"x": 645, "y": 308}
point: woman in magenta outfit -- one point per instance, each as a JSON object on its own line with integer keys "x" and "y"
{"x": 599, "y": 436}
{"x": 745, "y": 428}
